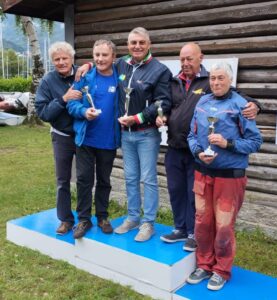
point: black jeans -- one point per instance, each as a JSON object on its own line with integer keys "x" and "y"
{"x": 64, "y": 150}
{"x": 91, "y": 160}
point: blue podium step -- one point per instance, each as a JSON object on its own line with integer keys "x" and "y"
{"x": 152, "y": 268}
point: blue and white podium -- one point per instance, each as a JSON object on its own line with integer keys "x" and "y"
{"x": 152, "y": 268}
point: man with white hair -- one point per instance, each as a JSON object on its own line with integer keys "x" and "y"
{"x": 219, "y": 125}
{"x": 53, "y": 93}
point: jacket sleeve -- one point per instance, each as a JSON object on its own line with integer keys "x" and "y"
{"x": 47, "y": 107}
{"x": 76, "y": 107}
{"x": 161, "y": 92}
{"x": 194, "y": 146}
{"x": 248, "y": 98}
{"x": 250, "y": 140}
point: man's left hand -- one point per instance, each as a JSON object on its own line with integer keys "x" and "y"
{"x": 250, "y": 111}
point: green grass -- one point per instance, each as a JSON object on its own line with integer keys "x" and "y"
{"x": 27, "y": 185}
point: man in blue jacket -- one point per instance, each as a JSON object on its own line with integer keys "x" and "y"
{"x": 53, "y": 93}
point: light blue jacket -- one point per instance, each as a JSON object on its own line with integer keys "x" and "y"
{"x": 77, "y": 108}
{"x": 231, "y": 124}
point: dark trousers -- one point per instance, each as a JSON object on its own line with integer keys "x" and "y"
{"x": 64, "y": 150}
{"x": 179, "y": 164}
{"x": 91, "y": 160}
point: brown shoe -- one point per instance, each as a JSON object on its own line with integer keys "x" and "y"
{"x": 106, "y": 226}
{"x": 64, "y": 228}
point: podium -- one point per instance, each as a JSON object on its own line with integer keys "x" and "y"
{"x": 151, "y": 268}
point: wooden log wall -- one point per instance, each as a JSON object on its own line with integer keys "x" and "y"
{"x": 246, "y": 29}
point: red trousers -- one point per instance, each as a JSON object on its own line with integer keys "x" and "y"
{"x": 218, "y": 201}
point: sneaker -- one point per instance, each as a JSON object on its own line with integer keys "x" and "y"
{"x": 126, "y": 226}
{"x": 175, "y": 236}
{"x": 216, "y": 282}
{"x": 105, "y": 225}
{"x": 81, "y": 228}
{"x": 146, "y": 230}
{"x": 190, "y": 244}
{"x": 198, "y": 275}
{"x": 64, "y": 228}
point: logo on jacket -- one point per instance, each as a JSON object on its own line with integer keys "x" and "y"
{"x": 122, "y": 77}
{"x": 111, "y": 89}
{"x": 199, "y": 92}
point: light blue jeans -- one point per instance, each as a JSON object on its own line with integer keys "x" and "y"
{"x": 140, "y": 153}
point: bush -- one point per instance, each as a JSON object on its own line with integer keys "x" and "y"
{"x": 16, "y": 84}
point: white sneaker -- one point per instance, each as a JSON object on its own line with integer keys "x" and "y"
{"x": 146, "y": 230}
{"x": 126, "y": 226}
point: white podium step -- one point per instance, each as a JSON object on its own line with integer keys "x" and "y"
{"x": 152, "y": 268}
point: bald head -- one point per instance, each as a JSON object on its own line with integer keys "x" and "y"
{"x": 190, "y": 57}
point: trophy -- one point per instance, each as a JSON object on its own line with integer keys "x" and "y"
{"x": 158, "y": 104}
{"x": 90, "y": 100}
{"x": 212, "y": 121}
{"x": 128, "y": 90}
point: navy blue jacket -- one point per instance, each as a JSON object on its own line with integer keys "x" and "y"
{"x": 49, "y": 103}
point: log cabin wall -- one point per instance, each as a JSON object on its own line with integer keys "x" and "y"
{"x": 223, "y": 28}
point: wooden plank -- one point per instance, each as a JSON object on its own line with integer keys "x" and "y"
{"x": 265, "y": 199}
{"x": 249, "y": 12}
{"x": 84, "y": 38}
{"x": 262, "y": 173}
{"x": 82, "y": 5}
{"x": 263, "y": 186}
{"x": 268, "y": 134}
{"x": 268, "y": 148}
{"x": 246, "y": 60}
{"x": 266, "y": 119}
{"x": 85, "y": 13}
{"x": 268, "y": 105}
{"x": 257, "y": 75}
{"x": 263, "y": 159}
{"x": 259, "y": 89}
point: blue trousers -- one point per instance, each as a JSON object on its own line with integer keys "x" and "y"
{"x": 179, "y": 164}
{"x": 64, "y": 151}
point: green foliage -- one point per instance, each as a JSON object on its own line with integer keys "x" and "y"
{"x": 16, "y": 84}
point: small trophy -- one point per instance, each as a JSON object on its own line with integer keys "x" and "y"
{"x": 128, "y": 90}
{"x": 158, "y": 104}
{"x": 212, "y": 121}
{"x": 90, "y": 100}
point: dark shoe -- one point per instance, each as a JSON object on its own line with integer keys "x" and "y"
{"x": 64, "y": 228}
{"x": 81, "y": 228}
{"x": 216, "y": 282}
{"x": 198, "y": 275}
{"x": 175, "y": 236}
{"x": 106, "y": 226}
{"x": 190, "y": 244}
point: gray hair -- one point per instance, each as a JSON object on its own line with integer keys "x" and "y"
{"x": 141, "y": 31}
{"x": 109, "y": 43}
{"x": 223, "y": 66}
{"x": 61, "y": 46}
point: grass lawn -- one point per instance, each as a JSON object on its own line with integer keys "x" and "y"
{"x": 27, "y": 185}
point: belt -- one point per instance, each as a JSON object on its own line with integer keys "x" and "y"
{"x": 225, "y": 173}
{"x": 138, "y": 127}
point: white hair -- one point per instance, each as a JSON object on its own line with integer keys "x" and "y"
{"x": 223, "y": 66}
{"x": 141, "y": 31}
{"x": 61, "y": 46}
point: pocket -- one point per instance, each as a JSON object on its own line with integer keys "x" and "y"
{"x": 199, "y": 187}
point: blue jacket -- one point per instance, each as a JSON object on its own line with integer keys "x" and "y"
{"x": 77, "y": 108}
{"x": 241, "y": 132}
{"x": 49, "y": 103}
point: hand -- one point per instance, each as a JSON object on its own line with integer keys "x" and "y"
{"x": 82, "y": 71}
{"x": 218, "y": 140}
{"x": 250, "y": 111}
{"x": 72, "y": 95}
{"x": 127, "y": 121}
{"x": 161, "y": 121}
{"x": 206, "y": 159}
{"x": 91, "y": 114}
{"x": 5, "y": 105}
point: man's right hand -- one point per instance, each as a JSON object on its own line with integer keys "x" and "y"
{"x": 72, "y": 94}
{"x": 91, "y": 114}
{"x": 161, "y": 121}
{"x": 82, "y": 71}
